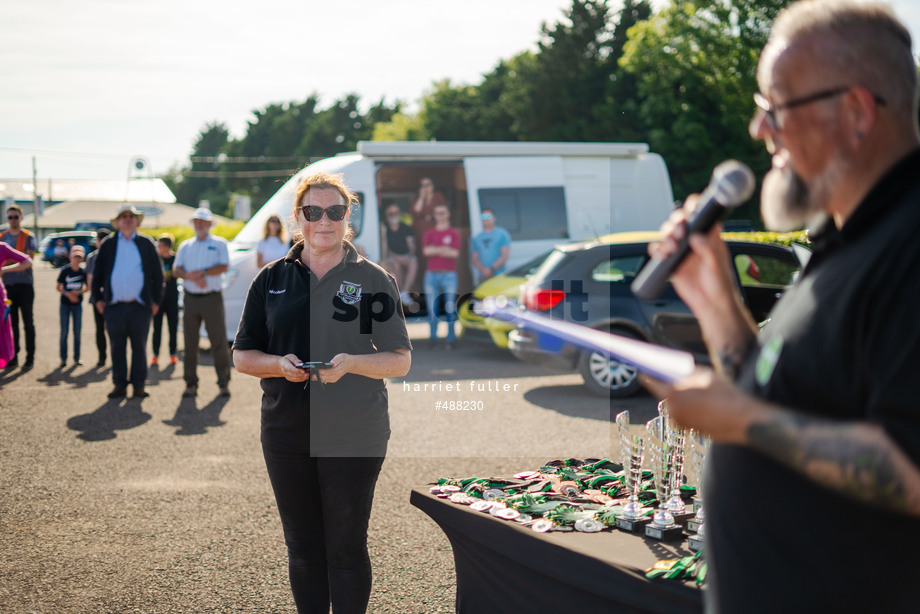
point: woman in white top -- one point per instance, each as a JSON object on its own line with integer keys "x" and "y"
{"x": 274, "y": 244}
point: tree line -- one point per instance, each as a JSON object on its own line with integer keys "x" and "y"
{"x": 680, "y": 79}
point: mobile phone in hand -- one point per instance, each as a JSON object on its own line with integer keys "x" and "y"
{"x": 314, "y": 365}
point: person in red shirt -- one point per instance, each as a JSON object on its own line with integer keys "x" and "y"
{"x": 441, "y": 246}
{"x": 422, "y": 212}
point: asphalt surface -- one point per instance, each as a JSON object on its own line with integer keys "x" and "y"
{"x": 163, "y": 504}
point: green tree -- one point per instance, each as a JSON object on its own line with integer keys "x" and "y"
{"x": 694, "y": 66}
{"x": 555, "y": 96}
{"x": 197, "y": 182}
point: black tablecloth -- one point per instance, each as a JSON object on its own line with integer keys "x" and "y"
{"x": 504, "y": 567}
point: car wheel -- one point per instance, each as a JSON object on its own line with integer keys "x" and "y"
{"x": 608, "y": 378}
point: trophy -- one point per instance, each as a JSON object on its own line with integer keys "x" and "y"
{"x": 661, "y": 455}
{"x": 695, "y": 525}
{"x": 631, "y": 447}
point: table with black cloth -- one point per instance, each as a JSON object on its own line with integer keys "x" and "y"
{"x": 504, "y": 567}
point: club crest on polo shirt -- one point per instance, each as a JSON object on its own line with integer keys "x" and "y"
{"x": 767, "y": 359}
{"x": 349, "y": 292}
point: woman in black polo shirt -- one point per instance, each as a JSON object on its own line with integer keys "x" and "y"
{"x": 324, "y": 431}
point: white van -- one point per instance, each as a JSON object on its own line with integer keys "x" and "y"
{"x": 543, "y": 194}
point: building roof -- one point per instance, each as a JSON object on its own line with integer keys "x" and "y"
{"x": 156, "y": 214}
{"x": 133, "y": 190}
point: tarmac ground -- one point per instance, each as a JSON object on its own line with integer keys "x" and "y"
{"x": 162, "y": 504}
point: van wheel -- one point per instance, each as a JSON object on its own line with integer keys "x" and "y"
{"x": 608, "y": 378}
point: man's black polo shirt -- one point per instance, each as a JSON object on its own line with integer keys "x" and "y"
{"x": 843, "y": 343}
{"x": 354, "y": 309}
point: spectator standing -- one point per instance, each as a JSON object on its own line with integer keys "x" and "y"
{"x": 14, "y": 261}
{"x": 127, "y": 290}
{"x": 99, "y": 321}
{"x": 422, "y": 212}
{"x": 441, "y": 246}
{"x": 71, "y": 284}
{"x": 20, "y": 289}
{"x": 200, "y": 262}
{"x": 169, "y": 307}
{"x": 490, "y": 248}
{"x": 274, "y": 243}
{"x": 400, "y": 251}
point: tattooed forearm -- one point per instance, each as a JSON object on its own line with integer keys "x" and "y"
{"x": 854, "y": 459}
{"x": 729, "y": 358}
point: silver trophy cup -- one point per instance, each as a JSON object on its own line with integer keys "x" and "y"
{"x": 632, "y": 449}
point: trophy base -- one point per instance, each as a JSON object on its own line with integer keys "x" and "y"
{"x": 671, "y": 533}
{"x": 632, "y": 525}
{"x": 683, "y": 519}
{"x": 695, "y": 543}
{"x": 697, "y": 504}
{"x": 693, "y": 525}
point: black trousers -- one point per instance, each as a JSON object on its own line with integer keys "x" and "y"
{"x": 128, "y": 323}
{"x": 170, "y": 309}
{"x": 22, "y": 297}
{"x": 101, "y": 340}
{"x": 325, "y": 506}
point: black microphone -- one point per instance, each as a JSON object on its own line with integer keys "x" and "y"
{"x": 731, "y": 185}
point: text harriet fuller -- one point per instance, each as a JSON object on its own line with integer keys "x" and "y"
{"x": 456, "y": 386}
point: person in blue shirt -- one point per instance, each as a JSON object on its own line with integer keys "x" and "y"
{"x": 490, "y": 248}
{"x": 127, "y": 288}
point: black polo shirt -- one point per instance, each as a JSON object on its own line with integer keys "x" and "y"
{"x": 355, "y": 309}
{"x": 843, "y": 343}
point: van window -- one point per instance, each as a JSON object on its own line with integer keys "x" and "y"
{"x": 528, "y": 213}
{"x": 356, "y": 219}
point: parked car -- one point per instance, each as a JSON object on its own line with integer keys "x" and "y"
{"x": 474, "y": 327}
{"x": 85, "y": 238}
{"x": 588, "y": 283}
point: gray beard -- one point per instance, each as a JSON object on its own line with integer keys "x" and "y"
{"x": 787, "y": 203}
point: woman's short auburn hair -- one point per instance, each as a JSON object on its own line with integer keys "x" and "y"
{"x": 323, "y": 181}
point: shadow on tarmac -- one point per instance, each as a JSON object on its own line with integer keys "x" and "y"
{"x": 194, "y": 421}
{"x": 113, "y": 415}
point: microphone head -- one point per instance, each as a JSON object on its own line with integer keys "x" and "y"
{"x": 733, "y": 183}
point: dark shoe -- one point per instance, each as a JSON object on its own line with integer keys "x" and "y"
{"x": 63, "y": 364}
{"x": 100, "y": 364}
{"x": 28, "y": 364}
{"x": 190, "y": 391}
{"x": 12, "y": 364}
{"x": 140, "y": 393}
{"x": 118, "y": 392}
{"x": 77, "y": 362}
{"x": 224, "y": 391}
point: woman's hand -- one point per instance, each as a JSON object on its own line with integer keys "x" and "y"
{"x": 340, "y": 367}
{"x": 290, "y": 372}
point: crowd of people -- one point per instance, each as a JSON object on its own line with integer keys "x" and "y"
{"x": 422, "y": 239}
{"x": 132, "y": 285}
{"x": 134, "y": 290}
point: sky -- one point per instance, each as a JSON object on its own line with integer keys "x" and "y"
{"x": 89, "y": 86}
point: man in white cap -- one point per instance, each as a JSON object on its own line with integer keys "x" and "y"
{"x": 127, "y": 288}
{"x": 200, "y": 262}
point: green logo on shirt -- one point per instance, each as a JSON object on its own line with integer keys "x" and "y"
{"x": 766, "y": 361}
